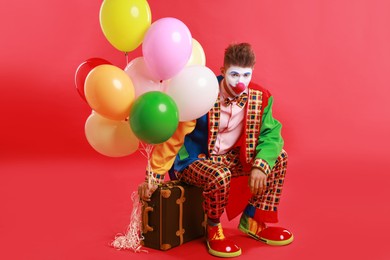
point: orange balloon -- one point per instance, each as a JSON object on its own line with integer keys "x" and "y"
{"x": 109, "y": 137}
{"x": 109, "y": 91}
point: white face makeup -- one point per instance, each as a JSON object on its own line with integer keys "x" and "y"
{"x": 236, "y": 75}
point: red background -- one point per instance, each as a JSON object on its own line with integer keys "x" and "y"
{"x": 326, "y": 63}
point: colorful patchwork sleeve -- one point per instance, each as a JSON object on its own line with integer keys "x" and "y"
{"x": 164, "y": 154}
{"x": 270, "y": 141}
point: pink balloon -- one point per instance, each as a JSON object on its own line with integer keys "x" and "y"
{"x": 167, "y": 47}
{"x": 142, "y": 79}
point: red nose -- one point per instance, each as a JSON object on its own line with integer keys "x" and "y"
{"x": 240, "y": 87}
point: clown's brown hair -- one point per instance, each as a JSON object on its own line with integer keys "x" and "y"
{"x": 239, "y": 54}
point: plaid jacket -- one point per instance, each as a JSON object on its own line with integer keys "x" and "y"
{"x": 260, "y": 144}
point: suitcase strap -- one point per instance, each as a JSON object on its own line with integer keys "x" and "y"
{"x": 180, "y": 202}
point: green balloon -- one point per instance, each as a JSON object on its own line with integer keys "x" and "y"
{"x": 154, "y": 117}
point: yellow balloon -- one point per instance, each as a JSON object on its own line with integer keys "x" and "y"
{"x": 109, "y": 137}
{"x": 125, "y": 22}
{"x": 109, "y": 91}
{"x": 197, "y": 56}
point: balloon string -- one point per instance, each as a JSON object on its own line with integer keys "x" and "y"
{"x": 162, "y": 86}
{"x": 146, "y": 151}
{"x": 127, "y": 58}
{"x": 133, "y": 236}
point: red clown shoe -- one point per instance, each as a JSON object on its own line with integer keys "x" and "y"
{"x": 274, "y": 236}
{"x": 218, "y": 245}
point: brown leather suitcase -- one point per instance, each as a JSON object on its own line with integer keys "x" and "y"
{"x": 173, "y": 216}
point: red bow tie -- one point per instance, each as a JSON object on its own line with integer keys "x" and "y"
{"x": 239, "y": 100}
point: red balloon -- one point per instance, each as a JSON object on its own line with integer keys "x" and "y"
{"x": 83, "y": 71}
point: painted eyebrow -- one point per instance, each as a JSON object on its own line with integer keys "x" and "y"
{"x": 235, "y": 72}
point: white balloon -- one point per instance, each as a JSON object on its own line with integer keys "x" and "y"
{"x": 195, "y": 90}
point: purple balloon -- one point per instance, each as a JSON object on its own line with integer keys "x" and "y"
{"x": 167, "y": 47}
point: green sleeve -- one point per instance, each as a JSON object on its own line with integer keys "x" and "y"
{"x": 270, "y": 141}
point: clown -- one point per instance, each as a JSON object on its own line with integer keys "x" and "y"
{"x": 238, "y": 138}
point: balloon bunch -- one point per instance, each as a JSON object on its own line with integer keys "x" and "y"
{"x": 146, "y": 100}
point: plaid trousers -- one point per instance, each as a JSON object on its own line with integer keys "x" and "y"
{"x": 213, "y": 175}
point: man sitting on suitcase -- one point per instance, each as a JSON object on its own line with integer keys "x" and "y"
{"x": 237, "y": 138}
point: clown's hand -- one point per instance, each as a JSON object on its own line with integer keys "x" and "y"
{"x": 145, "y": 190}
{"x": 257, "y": 181}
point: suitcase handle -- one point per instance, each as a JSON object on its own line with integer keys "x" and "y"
{"x": 145, "y": 220}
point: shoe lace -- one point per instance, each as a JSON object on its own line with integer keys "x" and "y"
{"x": 219, "y": 233}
